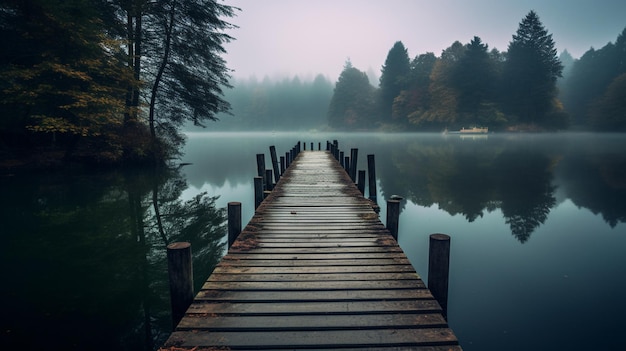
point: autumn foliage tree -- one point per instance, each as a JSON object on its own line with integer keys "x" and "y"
{"x": 69, "y": 88}
{"x": 97, "y": 71}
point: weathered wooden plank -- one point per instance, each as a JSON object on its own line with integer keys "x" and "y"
{"x": 333, "y": 250}
{"x": 303, "y": 277}
{"x": 312, "y": 322}
{"x": 315, "y": 285}
{"x": 312, "y": 295}
{"x": 233, "y": 256}
{"x": 220, "y": 269}
{"x": 308, "y": 339}
{"x": 323, "y": 308}
{"x": 248, "y": 261}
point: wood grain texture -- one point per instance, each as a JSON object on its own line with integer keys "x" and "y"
{"x": 314, "y": 269}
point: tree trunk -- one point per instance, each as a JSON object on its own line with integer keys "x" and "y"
{"x": 159, "y": 75}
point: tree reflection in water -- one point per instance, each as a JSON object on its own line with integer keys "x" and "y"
{"x": 85, "y": 264}
{"x": 471, "y": 177}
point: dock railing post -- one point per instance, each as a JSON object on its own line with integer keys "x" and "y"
{"x": 234, "y": 221}
{"x": 275, "y": 163}
{"x": 361, "y": 182}
{"x": 341, "y": 159}
{"x": 371, "y": 172}
{"x": 354, "y": 153}
{"x": 269, "y": 183}
{"x": 393, "y": 217}
{"x": 282, "y": 165}
{"x": 258, "y": 191}
{"x": 260, "y": 165}
{"x": 439, "y": 269}
{"x": 180, "y": 272}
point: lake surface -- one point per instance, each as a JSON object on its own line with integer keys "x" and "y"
{"x": 537, "y": 227}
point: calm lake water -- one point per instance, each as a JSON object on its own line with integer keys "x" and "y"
{"x": 537, "y": 227}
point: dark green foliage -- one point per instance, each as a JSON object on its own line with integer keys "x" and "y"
{"x": 474, "y": 77}
{"x": 530, "y": 73}
{"x": 60, "y": 74}
{"x": 393, "y": 77}
{"x": 609, "y": 112}
{"x": 353, "y": 103}
{"x": 78, "y": 74}
{"x": 589, "y": 79}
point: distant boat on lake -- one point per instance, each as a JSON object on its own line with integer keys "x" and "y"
{"x": 472, "y": 130}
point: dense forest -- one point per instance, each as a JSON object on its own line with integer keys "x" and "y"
{"x": 108, "y": 81}
{"x": 526, "y": 88}
{"x": 120, "y": 81}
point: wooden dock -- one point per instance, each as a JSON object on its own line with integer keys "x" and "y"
{"x": 314, "y": 269}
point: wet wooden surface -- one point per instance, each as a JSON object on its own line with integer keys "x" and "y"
{"x": 314, "y": 269}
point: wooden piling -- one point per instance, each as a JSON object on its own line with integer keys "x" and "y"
{"x": 354, "y": 153}
{"x": 269, "y": 184}
{"x": 234, "y": 221}
{"x": 439, "y": 269}
{"x": 260, "y": 166}
{"x": 258, "y": 191}
{"x": 275, "y": 163}
{"x": 361, "y": 182}
{"x": 282, "y": 165}
{"x": 393, "y": 217}
{"x": 371, "y": 172}
{"x": 179, "y": 268}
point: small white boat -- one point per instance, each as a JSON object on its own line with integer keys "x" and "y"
{"x": 473, "y": 130}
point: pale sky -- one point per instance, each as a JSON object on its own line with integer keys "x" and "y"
{"x": 278, "y": 38}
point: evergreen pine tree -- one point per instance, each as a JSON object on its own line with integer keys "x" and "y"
{"x": 530, "y": 73}
{"x": 394, "y": 77}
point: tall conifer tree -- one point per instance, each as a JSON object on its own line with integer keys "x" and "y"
{"x": 530, "y": 73}
{"x": 394, "y": 76}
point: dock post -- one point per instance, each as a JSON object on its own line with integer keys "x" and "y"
{"x": 275, "y": 163}
{"x": 260, "y": 165}
{"x": 319, "y": 146}
{"x": 287, "y": 159}
{"x": 282, "y": 165}
{"x": 180, "y": 272}
{"x": 346, "y": 164}
{"x": 341, "y": 159}
{"x": 354, "y": 153}
{"x": 371, "y": 172}
{"x": 269, "y": 184}
{"x": 234, "y": 221}
{"x": 439, "y": 269}
{"x": 361, "y": 183}
{"x": 258, "y": 191}
{"x": 393, "y": 217}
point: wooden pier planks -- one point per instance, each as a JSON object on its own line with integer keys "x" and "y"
{"x": 314, "y": 269}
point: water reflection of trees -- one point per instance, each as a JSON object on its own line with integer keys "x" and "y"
{"x": 84, "y": 254}
{"x": 471, "y": 177}
{"x": 525, "y": 190}
{"x": 597, "y": 181}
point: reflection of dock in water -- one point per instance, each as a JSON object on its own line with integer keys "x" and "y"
{"x": 314, "y": 269}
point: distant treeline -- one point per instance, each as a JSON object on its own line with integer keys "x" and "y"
{"x": 526, "y": 88}
{"x": 290, "y": 104}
